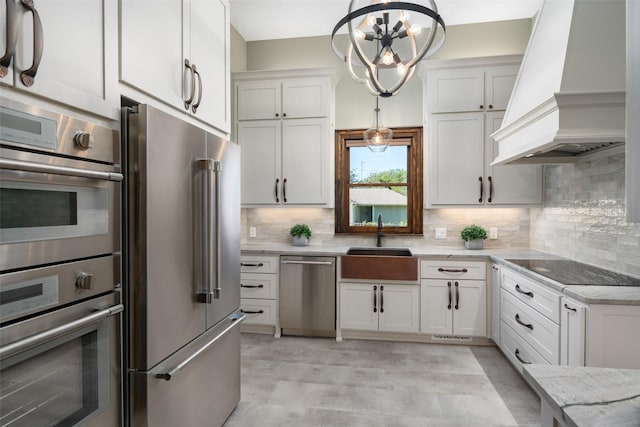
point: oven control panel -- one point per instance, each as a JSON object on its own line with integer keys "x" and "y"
{"x": 28, "y": 296}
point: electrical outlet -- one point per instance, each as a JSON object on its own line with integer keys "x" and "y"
{"x": 441, "y": 233}
{"x": 252, "y": 232}
{"x": 493, "y": 232}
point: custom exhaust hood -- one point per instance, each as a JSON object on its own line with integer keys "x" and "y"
{"x": 569, "y": 97}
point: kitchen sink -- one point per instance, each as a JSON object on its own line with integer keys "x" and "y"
{"x": 380, "y": 251}
{"x": 379, "y": 264}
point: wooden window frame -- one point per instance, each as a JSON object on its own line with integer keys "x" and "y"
{"x": 343, "y": 139}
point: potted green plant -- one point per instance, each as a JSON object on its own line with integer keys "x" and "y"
{"x": 301, "y": 234}
{"x": 473, "y": 236}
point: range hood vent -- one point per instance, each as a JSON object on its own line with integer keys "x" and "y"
{"x": 569, "y": 97}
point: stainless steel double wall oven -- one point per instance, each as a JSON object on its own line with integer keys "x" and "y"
{"x": 60, "y": 270}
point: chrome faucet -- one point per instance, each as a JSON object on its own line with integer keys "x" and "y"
{"x": 379, "y": 234}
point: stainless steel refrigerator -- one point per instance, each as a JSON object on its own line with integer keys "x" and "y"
{"x": 183, "y": 271}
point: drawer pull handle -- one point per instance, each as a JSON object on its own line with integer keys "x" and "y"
{"x": 527, "y": 293}
{"x": 570, "y": 308}
{"x": 452, "y": 270}
{"x": 245, "y": 264}
{"x": 381, "y": 299}
{"x": 457, "y": 297}
{"x": 375, "y": 301}
{"x": 449, "y": 285}
{"x": 252, "y": 312}
{"x": 520, "y": 359}
{"x": 260, "y": 286}
{"x": 526, "y": 325}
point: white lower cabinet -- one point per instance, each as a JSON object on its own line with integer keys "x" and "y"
{"x": 379, "y": 307}
{"x": 573, "y": 325}
{"x": 259, "y": 293}
{"x": 517, "y": 350}
{"x": 453, "y": 298}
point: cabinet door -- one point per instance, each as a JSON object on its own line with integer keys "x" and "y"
{"x": 470, "y": 307}
{"x": 77, "y": 67}
{"x": 305, "y": 158}
{"x": 436, "y": 298}
{"x": 261, "y": 182}
{"x": 308, "y": 97}
{"x": 259, "y": 100}
{"x": 499, "y": 85}
{"x": 509, "y": 184}
{"x": 151, "y": 50}
{"x": 399, "y": 308}
{"x": 455, "y": 159}
{"x": 209, "y": 50}
{"x": 359, "y": 306}
{"x": 495, "y": 303}
{"x": 572, "y": 332}
{"x": 451, "y": 91}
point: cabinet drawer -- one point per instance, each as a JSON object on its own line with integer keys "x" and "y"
{"x": 541, "y": 333}
{"x": 258, "y": 264}
{"x": 517, "y": 350}
{"x": 259, "y": 311}
{"x": 445, "y": 269}
{"x": 543, "y": 299}
{"x": 258, "y": 285}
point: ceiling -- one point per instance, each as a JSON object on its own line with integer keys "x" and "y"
{"x": 270, "y": 19}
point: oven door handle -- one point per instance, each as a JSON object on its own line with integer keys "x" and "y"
{"x": 59, "y": 170}
{"x": 167, "y": 374}
{"x": 50, "y": 334}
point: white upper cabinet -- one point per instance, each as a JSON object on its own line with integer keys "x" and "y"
{"x": 465, "y": 105}
{"x": 64, "y": 52}
{"x": 283, "y": 99}
{"x": 177, "y": 51}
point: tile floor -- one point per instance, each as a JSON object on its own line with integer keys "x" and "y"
{"x": 294, "y": 381}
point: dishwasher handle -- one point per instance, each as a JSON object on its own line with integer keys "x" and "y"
{"x": 286, "y": 261}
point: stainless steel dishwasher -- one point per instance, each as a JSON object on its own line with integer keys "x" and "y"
{"x": 307, "y": 295}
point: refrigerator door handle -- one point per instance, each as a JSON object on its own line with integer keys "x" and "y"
{"x": 210, "y": 230}
{"x": 171, "y": 372}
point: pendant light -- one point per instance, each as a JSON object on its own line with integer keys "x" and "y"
{"x": 397, "y": 48}
{"x": 377, "y": 137}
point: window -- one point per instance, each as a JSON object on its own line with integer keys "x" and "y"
{"x": 370, "y": 184}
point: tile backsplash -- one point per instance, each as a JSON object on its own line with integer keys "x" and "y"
{"x": 583, "y": 217}
{"x": 272, "y": 226}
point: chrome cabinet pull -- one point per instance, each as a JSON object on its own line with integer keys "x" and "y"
{"x": 381, "y": 299}
{"x": 195, "y": 106}
{"x": 481, "y": 189}
{"x": 449, "y": 286}
{"x": 490, "y": 190}
{"x": 520, "y": 359}
{"x": 188, "y": 101}
{"x": 375, "y": 301}
{"x": 527, "y": 293}
{"x": 28, "y": 76}
{"x": 457, "y": 297}
{"x": 452, "y": 270}
{"x": 59, "y": 170}
{"x": 570, "y": 308}
{"x": 12, "y": 38}
{"x": 288, "y": 261}
{"x": 277, "y": 182}
{"x": 526, "y": 325}
{"x": 245, "y": 264}
{"x": 37, "y": 339}
{"x": 260, "y": 286}
{"x": 284, "y": 190}
{"x": 170, "y": 373}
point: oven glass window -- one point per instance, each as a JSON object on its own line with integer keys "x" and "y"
{"x": 37, "y": 208}
{"x": 61, "y": 385}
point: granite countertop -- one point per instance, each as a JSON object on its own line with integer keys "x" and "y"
{"x": 588, "y": 396}
{"x": 619, "y": 295}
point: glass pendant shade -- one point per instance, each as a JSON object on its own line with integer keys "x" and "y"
{"x": 377, "y": 137}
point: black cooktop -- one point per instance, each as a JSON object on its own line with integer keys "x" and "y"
{"x": 570, "y": 272}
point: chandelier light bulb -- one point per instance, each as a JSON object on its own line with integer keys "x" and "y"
{"x": 387, "y": 58}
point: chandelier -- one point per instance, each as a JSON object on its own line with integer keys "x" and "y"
{"x": 377, "y": 137}
{"x": 385, "y": 43}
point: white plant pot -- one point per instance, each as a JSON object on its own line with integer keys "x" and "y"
{"x": 300, "y": 241}
{"x": 474, "y": 244}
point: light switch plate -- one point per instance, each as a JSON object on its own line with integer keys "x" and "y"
{"x": 441, "y": 233}
{"x": 252, "y": 232}
{"x": 493, "y": 232}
